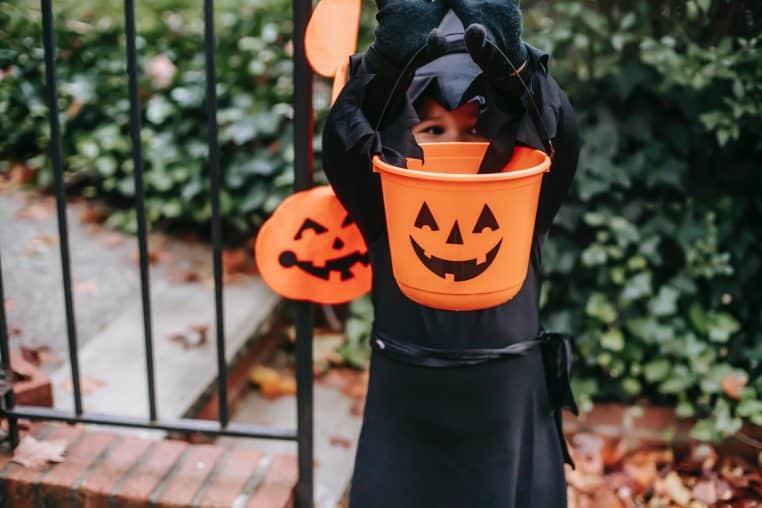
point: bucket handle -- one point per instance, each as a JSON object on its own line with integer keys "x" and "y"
{"x": 534, "y": 112}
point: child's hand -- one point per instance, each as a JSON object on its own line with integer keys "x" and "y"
{"x": 493, "y": 35}
{"x": 407, "y": 26}
{"x": 406, "y": 38}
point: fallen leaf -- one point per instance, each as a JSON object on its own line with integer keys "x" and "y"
{"x": 87, "y": 385}
{"x": 673, "y": 487}
{"x": 36, "y": 212}
{"x": 705, "y": 492}
{"x": 641, "y": 468}
{"x": 85, "y": 287}
{"x": 588, "y": 453}
{"x": 33, "y": 453}
{"x": 236, "y": 261}
{"x": 358, "y": 407}
{"x": 155, "y": 256}
{"x": 182, "y": 276}
{"x": 340, "y": 441}
{"x": 732, "y": 384}
{"x": 271, "y": 382}
{"x": 92, "y": 214}
{"x": 21, "y": 174}
{"x": 38, "y": 355}
{"x": 40, "y": 244}
{"x": 195, "y": 336}
{"x": 111, "y": 240}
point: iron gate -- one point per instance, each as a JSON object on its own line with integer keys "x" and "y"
{"x": 303, "y": 434}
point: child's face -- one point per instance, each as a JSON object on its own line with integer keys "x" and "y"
{"x": 438, "y": 125}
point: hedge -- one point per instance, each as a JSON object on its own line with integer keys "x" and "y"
{"x": 653, "y": 261}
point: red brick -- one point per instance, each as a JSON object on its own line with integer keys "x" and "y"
{"x": 277, "y": 489}
{"x": 95, "y": 490}
{"x": 21, "y": 482}
{"x": 239, "y": 465}
{"x": 144, "y": 479}
{"x": 190, "y": 476}
{"x": 36, "y": 389}
{"x": 57, "y": 484}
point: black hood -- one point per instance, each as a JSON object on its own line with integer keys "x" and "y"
{"x": 450, "y": 78}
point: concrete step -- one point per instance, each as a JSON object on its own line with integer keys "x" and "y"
{"x": 113, "y": 367}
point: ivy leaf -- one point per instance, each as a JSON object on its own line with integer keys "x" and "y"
{"x": 612, "y": 339}
{"x": 599, "y": 307}
{"x": 721, "y": 326}
{"x": 665, "y": 302}
{"x": 656, "y": 370}
{"x": 637, "y": 287}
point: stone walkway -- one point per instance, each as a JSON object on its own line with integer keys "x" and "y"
{"x": 108, "y": 309}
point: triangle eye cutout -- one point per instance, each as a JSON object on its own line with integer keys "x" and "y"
{"x": 310, "y": 224}
{"x": 486, "y": 220}
{"x": 426, "y": 218}
{"x": 348, "y": 221}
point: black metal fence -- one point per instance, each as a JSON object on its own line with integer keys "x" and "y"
{"x": 303, "y": 434}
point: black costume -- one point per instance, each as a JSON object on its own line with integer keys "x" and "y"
{"x": 463, "y": 408}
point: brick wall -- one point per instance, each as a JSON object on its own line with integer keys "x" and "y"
{"x": 106, "y": 469}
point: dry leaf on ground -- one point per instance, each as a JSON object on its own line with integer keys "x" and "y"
{"x": 343, "y": 442}
{"x": 40, "y": 244}
{"x": 111, "y": 240}
{"x": 193, "y": 337}
{"x": 36, "y": 212}
{"x": 38, "y": 355}
{"x": 87, "y": 385}
{"x": 85, "y": 287}
{"x": 33, "y": 453}
{"x": 92, "y": 214}
{"x": 272, "y": 383}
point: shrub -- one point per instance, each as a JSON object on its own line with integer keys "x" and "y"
{"x": 650, "y": 257}
{"x": 254, "y": 97}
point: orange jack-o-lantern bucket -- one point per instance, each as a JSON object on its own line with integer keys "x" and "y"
{"x": 461, "y": 240}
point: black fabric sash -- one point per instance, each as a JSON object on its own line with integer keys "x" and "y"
{"x": 556, "y": 355}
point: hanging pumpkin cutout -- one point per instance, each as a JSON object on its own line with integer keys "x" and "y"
{"x": 328, "y": 45}
{"x": 311, "y": 249}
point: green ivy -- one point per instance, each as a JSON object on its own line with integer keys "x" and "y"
{"x": 254, "y": 91}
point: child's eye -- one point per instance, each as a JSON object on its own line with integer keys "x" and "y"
{"x": 436, "y": 130}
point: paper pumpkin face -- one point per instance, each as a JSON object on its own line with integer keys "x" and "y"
{"x": 311, "y": 249}
{"x": 445, "y": 251}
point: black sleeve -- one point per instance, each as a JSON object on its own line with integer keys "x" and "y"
{"x": 556, "y": 183}
{"x": 349, "y": 143}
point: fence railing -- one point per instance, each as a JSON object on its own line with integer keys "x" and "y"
{"x": 303, "y": 434}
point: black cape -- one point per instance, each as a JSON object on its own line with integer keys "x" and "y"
{"x": 482, "y": 435}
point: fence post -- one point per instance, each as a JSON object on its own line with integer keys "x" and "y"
{"x": 303, "y": 164}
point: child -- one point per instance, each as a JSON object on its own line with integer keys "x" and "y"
{"x": 463, "y": 408}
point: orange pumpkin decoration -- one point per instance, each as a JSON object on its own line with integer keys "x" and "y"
{"x": 311, "y": 249}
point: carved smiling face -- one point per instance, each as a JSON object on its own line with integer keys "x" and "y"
{"x": 343, "y": 256}
{"x": 456, "y": 259}
{"x": 311, "y": 249}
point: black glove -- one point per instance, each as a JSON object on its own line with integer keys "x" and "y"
{"x": 406, "y": 38}
{"x": 493, "y": 37}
